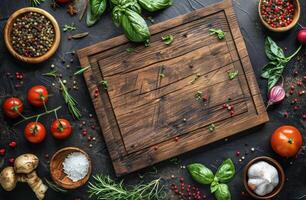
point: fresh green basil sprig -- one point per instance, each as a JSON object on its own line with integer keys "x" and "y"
{"x": 94, "y": 11}
{"x": 134, "y": 26}
{"x": 155, "y": 5}
{"x": 274, "y": 69}
{"x": 218, "y": 186}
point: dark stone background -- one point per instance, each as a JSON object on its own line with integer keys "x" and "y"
{"x": 211, "y": 155}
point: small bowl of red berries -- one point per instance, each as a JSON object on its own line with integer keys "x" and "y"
{"x": 279, "y": 15}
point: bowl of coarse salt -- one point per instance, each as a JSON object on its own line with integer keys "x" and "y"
{"x": 70, "y": 167}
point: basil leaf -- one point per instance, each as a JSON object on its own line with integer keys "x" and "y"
{"x": 226, "y": 171}
{"x": 275, "y": 75}
{"x": 134, "y": 26}
{"x": 214, "y": 185}
{"x": 128, "y": 4}
{"x": 223, "y": 192}
{"x": 267, "y": 69}
{"x": 200, "y": 173}
{"x": 273, "y": 51}
{"x": 94, "y": 11}
{"x": 154, "y": 5}
{"x": 117, "y": 13}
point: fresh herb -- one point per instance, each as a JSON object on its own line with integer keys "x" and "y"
{"x": 83, "y": 69}
{"x": 274, "y": 69}
{"x": 134, "y": 26}
{"x": 104, "y": 84}
{"x": 95, "y": 10}
{"x": 168, "y": 39}
{"x": 36, "y": 3}
{"x": 232, "y": 74}
{"x": 211, "y": 127}
{"x": 54, "y": 187}
{"x": 80, "y": 35}
{"x": 218, "y": 32}
{"x": 153, "y": 6}
{"x": 53, "y": 73}
{"x": 69, "y": 27}
{"x": 195, "y": 78}
{"x": 130, "y": 50}
{"x": 147, "y": 43}
{"x": 104, "y": 188}
{"x": 198, "y": 95}
{"x": 70, "y": 101}
{"x": 204, "y": 175}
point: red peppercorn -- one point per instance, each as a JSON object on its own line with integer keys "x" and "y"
{"x": 47, "y": 156}
{"x": 176, "y": 139}
{"x": 11, "y": 161}
{"x": 304, "y": 116}
{"x": 292, "y": 87}
{"x": 304, "y": 78}
{"x": 237, "y": 153}
{"x": 295, "y": 108}
{"x": 286, "y": 114}
{"x": 2, "y": 152}
{"x": 13, "y": 144}
{"x": 181, "y": 179}
{"x": 301, "y": 92}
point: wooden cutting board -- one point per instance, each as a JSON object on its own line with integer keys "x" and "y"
{"x": 149, "y": 112}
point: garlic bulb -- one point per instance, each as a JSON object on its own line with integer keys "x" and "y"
{"x": 263, "y": 178}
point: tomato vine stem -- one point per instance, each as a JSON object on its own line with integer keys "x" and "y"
{"x": 38, "y": 115}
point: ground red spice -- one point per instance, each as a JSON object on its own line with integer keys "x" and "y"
{"x": 277, "y": 13}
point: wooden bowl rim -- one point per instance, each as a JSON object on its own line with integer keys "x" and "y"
{"x": 33, "y": 60}
{"x": 73, "y": 185}
{"x": 287, "y": 28}
{"x": 281, "y": 175}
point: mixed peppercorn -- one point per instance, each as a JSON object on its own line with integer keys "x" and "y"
{"x": 32, "y": 34}
{"x": 277, "y": 13}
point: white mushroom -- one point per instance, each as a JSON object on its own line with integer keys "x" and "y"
{"x": 23, "y": 171}
{"x": 8, "y": 179}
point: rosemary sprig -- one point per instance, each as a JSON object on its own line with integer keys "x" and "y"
{"x": 36, "y": 3}
{"x": 83, "y": 69}
{"x": 72, "y": 104}
{"x": 104, "y": 188}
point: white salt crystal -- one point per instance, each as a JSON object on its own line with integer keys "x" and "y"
{"x": 76, "y": 166}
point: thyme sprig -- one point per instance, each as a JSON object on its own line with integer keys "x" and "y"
{"x": 53, "y": 73}
{"x": 72, "y": 104}
{"x": 69, "y": 27}
{"x": 104, "y": 188}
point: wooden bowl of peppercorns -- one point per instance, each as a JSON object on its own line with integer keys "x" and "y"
{"x": 32, "y": 35}
{"x": 279, "y": 15}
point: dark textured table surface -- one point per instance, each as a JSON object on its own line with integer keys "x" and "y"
{"x": 211, "y": 155}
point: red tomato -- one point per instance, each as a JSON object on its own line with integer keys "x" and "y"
{"x": 38, "y": 95}
{"x": 61, "y": 129}
{"x": 12, "y": 107}
{"x": 62, "y": 1}
{"x": 35, "y": 132}
{"x": 286, "y": 141}
{"x": 302, "y": 36}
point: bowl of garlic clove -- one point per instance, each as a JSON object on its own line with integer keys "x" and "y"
{"x": 263, "y": 178}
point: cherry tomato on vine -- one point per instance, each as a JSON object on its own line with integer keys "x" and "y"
{"x": 12, "y": 107}
{"x": 61, "y": 129}
{"x": 35, "y": 132}
{"x": 38, "y": 95}
{"x": 286, "y": 141}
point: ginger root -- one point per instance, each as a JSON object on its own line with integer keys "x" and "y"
{"x": 23, "y": 171}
